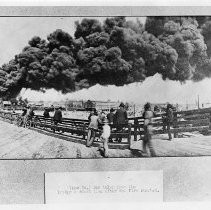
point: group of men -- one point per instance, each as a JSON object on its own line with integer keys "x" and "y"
{"x": 57, "y": 117}
{"x": 99, "y": 120}
{"x": 148, "y": 128}
{"x": 28, "y": 114}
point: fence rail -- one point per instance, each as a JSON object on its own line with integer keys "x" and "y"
{"x": 184, "y": 121}
{"x": 75, "y": 127}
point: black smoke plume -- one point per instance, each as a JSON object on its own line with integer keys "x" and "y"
{"x": 116, "y": 52}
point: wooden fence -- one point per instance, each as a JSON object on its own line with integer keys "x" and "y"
{"x": 76, "y": 127}
{"x": 184, "y": 121}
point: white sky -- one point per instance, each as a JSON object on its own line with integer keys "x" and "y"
{"x": 16, "y": 31}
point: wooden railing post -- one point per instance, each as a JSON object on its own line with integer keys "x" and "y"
{"x": 175, "y": 125}
{"x": 135, "y": 129}
{"x": 84, "y": 130}
{"x": 129, "y": 135}
{"x": 210, "y": 121}
{"x": 45, "y": 123}
{"x": 10, "y": 118}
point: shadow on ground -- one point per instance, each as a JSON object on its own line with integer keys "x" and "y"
{"x": 137, "y": 152}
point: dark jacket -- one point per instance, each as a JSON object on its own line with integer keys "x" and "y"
{"x": 120, "y": 116}
{"x": 110, "y": 117}
{"x": 24, "y": 113}
{"x": 57, "y": 116}
{"x": 46, "y": 114}
{"x": 169, "y": 115}
{"x": 31, "y": 113}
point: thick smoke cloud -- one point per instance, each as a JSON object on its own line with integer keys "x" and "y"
{"x": 116, "y": 52}
{"x": 186, "y": 37}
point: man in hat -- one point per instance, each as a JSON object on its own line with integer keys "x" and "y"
{"x": 110, "y": 117}
{"x": 148, "y": 115}
{"x": 91, "y": 114}
{"x": 46, "y": 115}
{"x": 93, "y": 127}
{"x": 57, "y": 118}
{"x": 169, "y": 119}
{"x": 24, "y": 111}
{"x": 29, "y": 116}
{"x": 120, "y": 119}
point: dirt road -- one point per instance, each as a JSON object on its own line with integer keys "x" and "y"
{"x": 22, "y": 143}
{"x": 22, "y": 181}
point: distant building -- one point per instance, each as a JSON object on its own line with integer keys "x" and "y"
{"x": 106, "y": 105}
{"x": 7, "y": 103}
{"x": 74, "y": 105}
{"x": 89, "y": 105}
{"x": 80, "y": 105}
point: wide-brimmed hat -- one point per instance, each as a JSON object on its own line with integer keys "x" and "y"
{"x": 147, "y": 106}
{"x": 169, "y": 106}
{"x": 121, "y": 105}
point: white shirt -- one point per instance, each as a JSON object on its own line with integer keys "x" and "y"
{"x": 106, "y": 131}
{"x": 94, "y": 122}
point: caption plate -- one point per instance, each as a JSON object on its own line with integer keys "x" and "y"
{"x": 106, "y": 186}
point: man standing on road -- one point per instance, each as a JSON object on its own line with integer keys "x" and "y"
{"x": 148, "y": 115}
{"x": 57, "y": 118}
{"x": 110, "y": 118}
{"x": 46, "y": 113}
{"x": 93, "y": 127}
{"x": 28, "y": 116}
{"x": 169, "y": 119}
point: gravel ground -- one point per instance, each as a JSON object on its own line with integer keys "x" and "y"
{"x": 22, "y": 143}
{"x": 22, "y": 181}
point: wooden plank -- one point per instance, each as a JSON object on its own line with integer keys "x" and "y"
{"x": 119, "y": 135}
{"x": 114, "y": 145}
{"x": 195, "y": 111}
{"x": 136, "y": 125}
{"x": 205, "y": 120}
{"x": 129, "y": 136}
{"x": 198, "y": 116}
{"x": 64, "y": 119}
{"x": 200, "y": 122}
{"x": 197, "y": 122}
{"x": 190, "y": 129}
{"x": 79, "y": 120}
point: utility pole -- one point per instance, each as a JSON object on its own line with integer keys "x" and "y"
{"x": 198, "y": 102}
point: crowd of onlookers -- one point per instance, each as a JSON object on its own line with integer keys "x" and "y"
{"x": 101, "y": 121}
{"x": 28, "y": 113}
